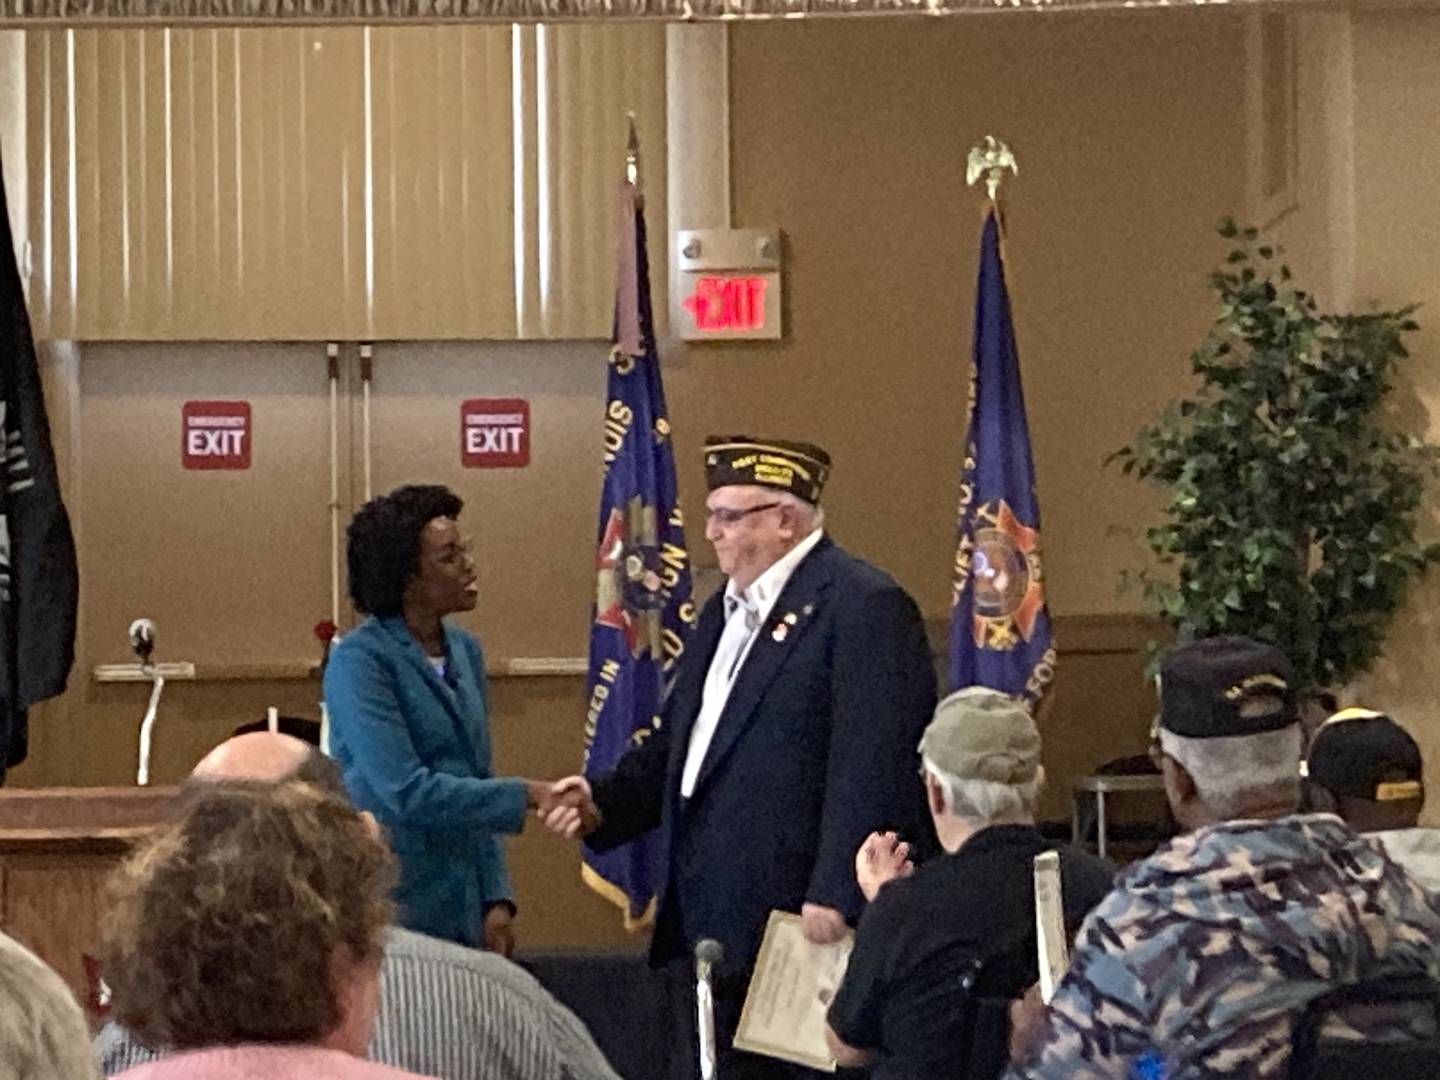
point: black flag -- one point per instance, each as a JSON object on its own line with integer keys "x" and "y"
{"x": 39, "y": 579}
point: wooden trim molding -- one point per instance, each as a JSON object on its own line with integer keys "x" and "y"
{"x": 1094, "y": 634}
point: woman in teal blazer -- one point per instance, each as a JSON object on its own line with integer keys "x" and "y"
{"x": 408, "y": 719}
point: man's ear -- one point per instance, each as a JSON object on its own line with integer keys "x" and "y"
{"x": 789, "y": 521}
{"x": 934, "y": 795}
{"x": 1179, "y": 784}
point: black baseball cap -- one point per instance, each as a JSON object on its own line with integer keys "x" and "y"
{"x": 1226, "y": 686}
{"x": 1364, "y": 754}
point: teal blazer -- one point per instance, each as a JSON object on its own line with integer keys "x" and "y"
{"x": 415, "y": 751}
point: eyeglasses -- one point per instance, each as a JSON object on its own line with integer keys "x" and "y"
{"x": 723, "y": 515}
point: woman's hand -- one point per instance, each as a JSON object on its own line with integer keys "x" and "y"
{"x": 500, "y": 929}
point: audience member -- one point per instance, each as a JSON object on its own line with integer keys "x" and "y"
{"x": 247, "y": 933}
{"x": 1201, "y": 959}
{"x": 961, "y": 928}
{"x": 42, "y": 1031}
{"x": 1366, "y": 768}
{"x": 445, "y": 1010}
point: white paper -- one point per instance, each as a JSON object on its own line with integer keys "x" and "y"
{"x": 790, "y": 993}
{"x": 1050, "y": 924}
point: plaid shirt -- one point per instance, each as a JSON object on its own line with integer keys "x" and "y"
{"x": 451, "y": 1012}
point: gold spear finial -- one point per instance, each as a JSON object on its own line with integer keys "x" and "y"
{"x": 632, "y": 155}
{"x": 990, "y": 159}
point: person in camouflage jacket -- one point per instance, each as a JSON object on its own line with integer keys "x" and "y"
{"x": 1202, "y": 958}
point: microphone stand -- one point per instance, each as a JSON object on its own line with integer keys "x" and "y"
{"x": 142, "y": 642}
{"x": 707, "y": 955}
{"x": 157, "y": 684}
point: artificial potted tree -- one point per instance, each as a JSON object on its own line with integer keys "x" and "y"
{"x": 1293, "y": 502}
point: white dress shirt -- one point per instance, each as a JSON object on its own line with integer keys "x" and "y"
{"x": 745, "y": 612}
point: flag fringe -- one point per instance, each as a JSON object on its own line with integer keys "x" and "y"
{"x": 617, "y": 896}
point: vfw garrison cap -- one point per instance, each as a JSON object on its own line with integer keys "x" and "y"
{"x": 797, "y": 467}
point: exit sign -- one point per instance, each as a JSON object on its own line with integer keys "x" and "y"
{"x": 729, "y": 305}
{"x": 727, "y": 284}
{"x": 215, "y": 435}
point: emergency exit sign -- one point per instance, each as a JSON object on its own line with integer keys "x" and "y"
{"x": 728, "y": 284}
{"x": 495, "y": 433}
{"x": 215, "y": 435}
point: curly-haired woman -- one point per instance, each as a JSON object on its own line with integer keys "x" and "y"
{"x": 408, "y": 719}
{"x": 247, "y": 933}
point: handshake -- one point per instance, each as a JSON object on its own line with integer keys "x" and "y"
{"x": 565, "y": 806}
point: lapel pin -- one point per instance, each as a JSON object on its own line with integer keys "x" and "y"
{"x": 781, "y": 629}
{"x": 791, "y": 618}
{"x": 809, "y": 609}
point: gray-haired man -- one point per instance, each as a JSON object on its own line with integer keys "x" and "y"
{"x": 1201, "y": 960}
{"x": 962, "y": 926}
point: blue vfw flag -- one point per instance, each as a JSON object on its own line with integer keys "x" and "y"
{"x": 643, "y": 609}
{"x": 999, "y": 628}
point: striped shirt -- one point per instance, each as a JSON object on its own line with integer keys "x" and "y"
{"x": 450, "y": 1012}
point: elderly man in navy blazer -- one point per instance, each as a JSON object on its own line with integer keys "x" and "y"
{"x": 789, "y": 737}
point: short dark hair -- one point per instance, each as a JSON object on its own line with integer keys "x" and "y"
{"x": 382, "y": 547}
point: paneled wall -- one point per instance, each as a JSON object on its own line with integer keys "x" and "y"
{"x": 296, "y": 183}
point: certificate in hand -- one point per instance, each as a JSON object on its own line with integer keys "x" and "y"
{"x": 790, "y": 993}
{"x": 1050, "y": 924}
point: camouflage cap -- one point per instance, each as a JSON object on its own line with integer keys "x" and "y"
{"x": 981, "y": 734}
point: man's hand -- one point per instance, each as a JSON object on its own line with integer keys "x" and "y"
{"x": 881, "y": 859}
{"x": 570, "y": 811}
{"x": 1027, "y": 1025}
{"x": 500, "y": 929}
{"x": 822, "y": 925}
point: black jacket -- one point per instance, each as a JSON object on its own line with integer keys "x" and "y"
{"x": 815, "y": 749}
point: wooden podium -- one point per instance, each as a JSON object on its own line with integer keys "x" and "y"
{"x": 57, "y": 845}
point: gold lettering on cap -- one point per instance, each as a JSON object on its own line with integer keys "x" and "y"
{"x": 1256, "y": 682}
{"x": 1397, "y": 791}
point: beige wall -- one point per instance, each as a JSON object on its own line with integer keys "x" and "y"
{"x": 852, "y": 138}
{"x": 1397, "y": 155}
{"x": 1362, "y": 232}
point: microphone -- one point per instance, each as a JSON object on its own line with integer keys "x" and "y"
{"x": 142, "y": 639}
{"x": 708, "y": 954}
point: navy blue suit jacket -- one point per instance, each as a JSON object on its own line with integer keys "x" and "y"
{"x": 415, "y": 752}
{"x": 815, "y": 749}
